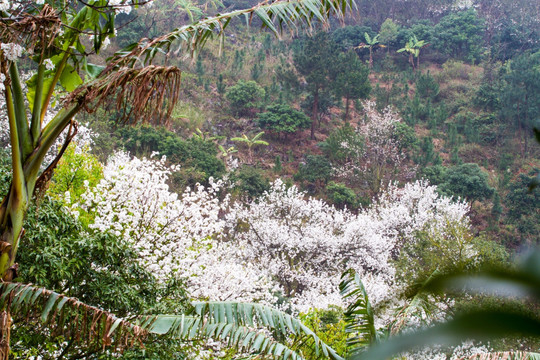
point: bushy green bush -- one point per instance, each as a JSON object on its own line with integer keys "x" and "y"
{"x": 467, "y": 181}
{"x": 283, "y": 119}
{"x": 329, "y": 326}
{"x": 341, "y": 195}
{"x": 427, "y": 87}
{"x": 99, "y": 269}
{"x": 245, "y": 97}
{"x": 316, "y": 169}
{"x": 250, "y": 181}
{"x": 197, "y": 157}
{"x": 459, "y": 34}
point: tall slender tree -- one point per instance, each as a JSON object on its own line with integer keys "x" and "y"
{"x": 351, "y": 80}
{"x": 314, "y": 61}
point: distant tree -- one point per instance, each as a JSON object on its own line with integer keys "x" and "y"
{"x": 316, "y": 170}
{"x": 244, "y": 97}
{"x": 341, "y": 195}
{"x": 371, "y": 43}
{"x": 314, "y": 61}
{"x": 351, "y": 79}
{"x": 467, "y": 181}
{"x": 520, "y": 96}
{"x": 459, "y": 35}
{"x": 350, "y": 36}
{"x": 283, "y": 119}
{"x": 427, "y": 87}
{"x": 388, "y": 33}
{"x": 524, "y": 207}
{"x": 412, "y": 47}
{"x": 250, "y": 181}
{"x": 511, "y": 26}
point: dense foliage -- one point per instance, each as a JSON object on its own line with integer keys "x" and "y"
{"x": 419, "y": 162}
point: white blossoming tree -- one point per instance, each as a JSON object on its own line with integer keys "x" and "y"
{"x": 380, "y": 156}
{"x": 305, "y": 245}
{"x": 51, "y": 36}
{"x": 174, "y": 236}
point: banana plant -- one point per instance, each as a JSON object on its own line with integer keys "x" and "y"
{"x": 413, "y": 47}
{"x": 141, "y": 91}
{"x": 371, "y": 43}
{"x": 251, "y": 328}
{"x": 250, "y": 143}
{"x": 359, "y": 319}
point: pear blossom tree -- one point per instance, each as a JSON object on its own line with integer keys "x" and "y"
{"x": 174, "y": 235}
{"x": 379, "y": 157}
{"x": 305, "y": 244}
{"x": 281, "y": 243}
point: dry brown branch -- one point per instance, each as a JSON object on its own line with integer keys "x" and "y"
{"x": 142, "y": 95}
{"x": 70, "y": 318}
{"x": 36, "y": 32}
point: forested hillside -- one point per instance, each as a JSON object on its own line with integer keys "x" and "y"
{"x": 286, "y": 183}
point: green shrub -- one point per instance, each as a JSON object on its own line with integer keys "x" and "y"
{"x": 427, "y": 87}
{"x": 329, "y": 326}
{"x": 341, "y": 195}
{"x": 467, "y": 181}
{"x": 245, "y": 97}
{"x": 250, "y": 181}
{"x": 283, "y": 119}
{"x": 316, "y": 169}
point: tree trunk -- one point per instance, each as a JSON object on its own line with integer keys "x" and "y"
{"x": 5, "y": 334}
{"x": 347, "y": 109}
{"x": 315, "y": 113}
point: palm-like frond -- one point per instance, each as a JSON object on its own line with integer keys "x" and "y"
{"x": 248, "y": 327}
{"x": 69, "y": 316}
{"x": 242, "y": 325}
{"x": 147, "y": 94}
{"x": 274, "y": 15}
{"x": 359, "y": 314}
{"x": 418, "y": 304}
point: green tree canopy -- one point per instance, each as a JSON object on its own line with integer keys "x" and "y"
{"x": 283, "y": 119}
{"x": 314, "y": 60}
{"x": 351, "y": 80}
{"x": 467, "y": 181}
{"x": 459, "y": 34}
{"x": 245, "y": 97}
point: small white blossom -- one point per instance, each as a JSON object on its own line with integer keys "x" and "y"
{"x": 48, "y": 64}
{"x": 12, "y": 51}
{"x": 5, "y": 5}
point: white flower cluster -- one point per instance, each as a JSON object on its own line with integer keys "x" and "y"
{"x": 379, "y": 150}
{"x": 11, "y": 51}
{"x": 305, "y": 244}
{"x": 175, "y": 236}
{"x": 5, "y": 5}
{"x": 467, "y": 350}
{"x": 282, "y": 243}
{"x": 120, "y": 6}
